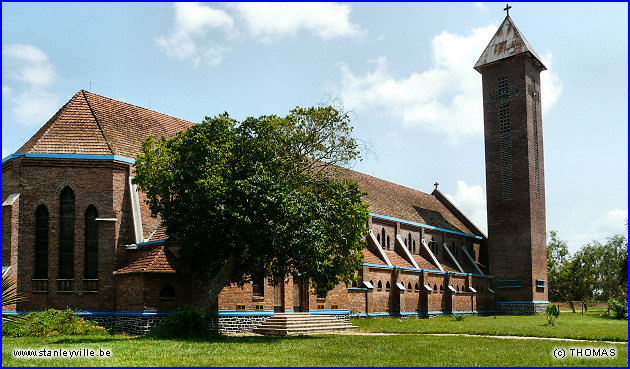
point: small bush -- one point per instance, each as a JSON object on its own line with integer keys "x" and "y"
{"x": 619, "y": 308}
{"x": 459, "y": 317}
{"x": 553, "y": 312}
{"x": 185, "y": 322}
{"x": 51, "y": 323}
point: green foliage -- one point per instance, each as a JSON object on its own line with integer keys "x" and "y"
{"x": 51, "y": 323}
{"x": 265, "y": 194}
{"x": 10, "y": 296}
{"x": 553, "y": 312}
{"x": 596, "y": 272}
{"x": 619, "y": 308}
{"x": 459, "y": 317}
{"x": 185, "y": 322}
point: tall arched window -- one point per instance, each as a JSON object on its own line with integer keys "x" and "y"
{"x": 414, "y": 246}
{"x": 383, "y": 237}
{"x": 66, "y": 234}
{"x": 409, "y": 286}
{"x": 41, "y": 242}
{"x": 380, "y": 285}
{"x": 388, "y": 286}
{"x": 441, "y": 288}
{"x": 378, "y": 238}
{"x": 388, "y": 242}
{"x": 91, "y": 243}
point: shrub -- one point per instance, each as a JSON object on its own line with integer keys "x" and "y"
{"x": 185, "y": 322}
{"x": 619, "y": 307}
{"x": 459, "y": 317}
{"x": 553, "y": 311}
{"x": 51, "y": 323}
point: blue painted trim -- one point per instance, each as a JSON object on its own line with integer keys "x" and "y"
{"x": 509, "y": 280}
{"x": 522, "y": 302}
{"x": 541, "y": 280}
{"x": 69, "y": 156}
{"x": 152, "y": 242}
{"x": 517, "y": 286}
{"x": 358, "y": 288}
{"x": 330, "y": 312}
{"x": 363, "y": 315}
{"x": 424, "y": 225}
{"x": 420, "y": 270}
{"x": 289, "y": 311}
{"x": 245, "y": 313}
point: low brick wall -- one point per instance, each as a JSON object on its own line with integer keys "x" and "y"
{"x": 142, "y": 324}
{"x": 520, "y": 308}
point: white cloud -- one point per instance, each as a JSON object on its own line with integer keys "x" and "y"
{"x": 33, "y": 76}
{"x": 272, "y": 20}
{"x": 445, "y": 99}
{"x": 480, "y": 6}
{"x": 550, "y": 84}
{"x": 605, "y": 225}
{"x": 471, "y": 200}
{"x": 188, "y": 39}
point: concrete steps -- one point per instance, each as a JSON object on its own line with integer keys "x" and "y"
{"x": 285, "y": 324}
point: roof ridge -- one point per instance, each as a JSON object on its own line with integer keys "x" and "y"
{"x": 98, "y": 123}
{"x": 390, "y": 182}
{"x": 134, "y": 105}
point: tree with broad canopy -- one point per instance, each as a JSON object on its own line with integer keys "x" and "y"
{"x": 261, "y": 198}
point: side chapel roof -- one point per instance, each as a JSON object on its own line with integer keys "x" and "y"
{"x": 96, "y": 125}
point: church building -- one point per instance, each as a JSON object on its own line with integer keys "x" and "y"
{"x": 76, "y": 233}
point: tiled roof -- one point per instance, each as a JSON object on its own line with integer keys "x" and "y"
{"x": 507, "y": 42}
{"x": 370, "y": 258}
{"x": 390, "y": 199}
{"x": 97, "y": 125}
{"x": 159, "y": 260}
{"x": 397, "y": 259}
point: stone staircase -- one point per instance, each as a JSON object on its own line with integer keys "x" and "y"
{"x": 285, "y": 324}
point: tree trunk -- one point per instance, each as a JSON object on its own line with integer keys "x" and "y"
{"x": 218, "y": 282}
{"x": 565, "y": 298}
{"x": 584, "y": 304}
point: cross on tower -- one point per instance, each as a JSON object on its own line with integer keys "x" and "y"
{"x": 507, "y": 9}
{"x": 436, "y": 185}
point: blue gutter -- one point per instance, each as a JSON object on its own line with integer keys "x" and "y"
{"x": 509, "y": 280}
{"x": 424, "y": 225}
{"x": 420, "y": 270}
{"x": 69, "y": 156}
{"x": 152, "y": 242}
{"x": 330, "y": 312}
{"x": 518, "y": 286}
{"x": 245, "y": 313}
{"x": 363, "y": 315}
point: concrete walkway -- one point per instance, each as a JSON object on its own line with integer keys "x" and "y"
{"x": 478, "y": 335}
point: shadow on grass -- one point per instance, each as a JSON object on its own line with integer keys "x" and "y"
{"x": 233, "y": 339}
{"x": 88, "y": 339}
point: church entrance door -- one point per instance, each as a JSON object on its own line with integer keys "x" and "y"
{"x": 300, "y": 295}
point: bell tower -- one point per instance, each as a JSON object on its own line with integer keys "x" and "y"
{"x": 515, "y": 181}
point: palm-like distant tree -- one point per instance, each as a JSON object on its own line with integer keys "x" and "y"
{"x": 10, "y": 296}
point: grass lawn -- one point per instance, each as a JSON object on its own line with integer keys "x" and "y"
{"x": 590, "y": 326}
{"x": 321, "y": 350}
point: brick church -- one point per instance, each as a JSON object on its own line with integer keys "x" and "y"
{"x": 77, "y": 234}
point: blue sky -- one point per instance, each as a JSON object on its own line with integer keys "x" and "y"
{"x": 404, "y": 70}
